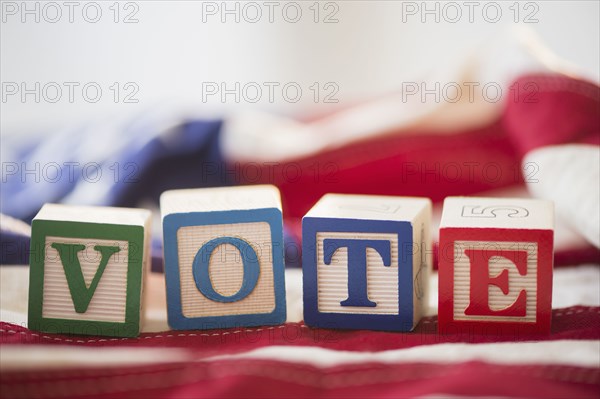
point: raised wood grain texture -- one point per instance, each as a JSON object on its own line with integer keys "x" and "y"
{"x": 397, "y": 291}
{"x": 226, "y": 272}
{"x": 495, "y": 265}
{"x": 108, "y": 302}
{"x": 86, "y": 292}
{"x": 382, "y": 281}
{"x": 497, "y": 299}
{"x": 192, "y": 220}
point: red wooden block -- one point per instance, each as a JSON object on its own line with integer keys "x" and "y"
{"x": 495, "y": 266}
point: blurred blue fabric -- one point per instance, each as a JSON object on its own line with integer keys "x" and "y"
{"x": 109, "y": 167}
{"x": 111, "y": 164}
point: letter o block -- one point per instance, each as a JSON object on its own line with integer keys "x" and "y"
{"x": 366, "y": 262}
{"x": 223, "y": 250}
{"x": 87, "y": 267}
{"x": 495, "y": 265}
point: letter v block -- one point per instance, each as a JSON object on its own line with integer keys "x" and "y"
{"x": 224, "y": 262}
{"x": 87, "y": 266}
{"x": 495, "y": 265}
{"x": 366, "y": 262}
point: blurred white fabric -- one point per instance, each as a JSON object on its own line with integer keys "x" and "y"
{"x": 369, "y": 51}
{"x": 259, "y": 136}
{"x": 570, "y": 176}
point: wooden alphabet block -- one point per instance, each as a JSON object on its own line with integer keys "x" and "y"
{"x": 495, "y": 265}
{"x": 87, "y": 266}
{"x": 366, "y": 261}
{"x": 224, "y": 264}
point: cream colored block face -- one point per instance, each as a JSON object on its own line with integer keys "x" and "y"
{"x": 223, "y": 251}
{"x": 87, "y": 270}
{"x": 497, "y": 299}
{"x": 365, "y": 260}
{"x": 382, "y": 281}
{"x": 226, "y": 269}
{"x": 109, "y": 300}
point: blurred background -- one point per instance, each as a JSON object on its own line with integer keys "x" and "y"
{"x": 112, "y": 103}
{"x": 168, "y": 50}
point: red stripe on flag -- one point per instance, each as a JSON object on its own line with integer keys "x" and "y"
{"x": 265, "y": 378}
{"x": 579, "y": 322}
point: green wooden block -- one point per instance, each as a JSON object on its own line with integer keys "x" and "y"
{"x": 87, "y": 267}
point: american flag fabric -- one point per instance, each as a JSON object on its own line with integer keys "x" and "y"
{"x": 293, "y": 360}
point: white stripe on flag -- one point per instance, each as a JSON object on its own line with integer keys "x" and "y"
{"x": 584, "y": 353}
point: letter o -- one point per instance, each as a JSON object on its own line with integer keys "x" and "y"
{"x": 251, "y": 269}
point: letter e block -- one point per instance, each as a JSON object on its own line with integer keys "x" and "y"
{"x": 366, "y": 261}
{"x": 224, "y": 263}
{"x": 495, "y": 265}
{"x": 87, "y": 266}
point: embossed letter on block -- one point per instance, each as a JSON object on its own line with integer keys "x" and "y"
{"x": 366, "y": 262}
{"x": 87, "y": 269}
{"x": 224, "y": 262}
{"x": 495, "y": 265}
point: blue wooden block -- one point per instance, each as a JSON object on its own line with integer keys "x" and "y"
{"x": 223, "y": 250}
{"x": 366, "y": 261}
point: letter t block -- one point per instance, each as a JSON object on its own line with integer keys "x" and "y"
{"x": 224, "y": 263}
{"x": 366, "y": 261}
{"x": 495, "y": 265}
{"x": 87, "y": 267}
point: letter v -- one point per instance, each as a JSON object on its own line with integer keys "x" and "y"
{"x": 80, "y": 293}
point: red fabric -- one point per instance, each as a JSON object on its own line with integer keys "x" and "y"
{"x": 539, "y": 110}
{"x": 552, "y": 109}
{"x": 268, "y": 378}
{"x": 423, "y": 164}
{"x": 570, "y": 257}
{"x": 572, "y": 323}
